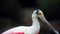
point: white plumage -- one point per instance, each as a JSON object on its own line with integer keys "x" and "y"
{"x": 33, "y": 29}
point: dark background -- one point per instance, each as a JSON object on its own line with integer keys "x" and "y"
{"x": 18, "y": 12}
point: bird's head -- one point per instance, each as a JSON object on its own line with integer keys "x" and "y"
{"x": 41, "y": 16}
{"x": 38, "y": 14}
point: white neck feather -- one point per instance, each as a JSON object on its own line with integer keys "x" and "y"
{"x": 35, "y": 25}
{"x": 35, "y": 22}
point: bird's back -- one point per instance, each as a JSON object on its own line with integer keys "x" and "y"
{"x": 18, "y": 30}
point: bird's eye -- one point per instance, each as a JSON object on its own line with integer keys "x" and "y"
{"x": 39, "y": 13}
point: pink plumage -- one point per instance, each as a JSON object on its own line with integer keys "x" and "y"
{"x": 17, "y": 33}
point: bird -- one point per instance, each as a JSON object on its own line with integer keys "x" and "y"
{"x": 33, "y": 29}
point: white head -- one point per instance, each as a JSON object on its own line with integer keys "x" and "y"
{"x": 38, "y": 14}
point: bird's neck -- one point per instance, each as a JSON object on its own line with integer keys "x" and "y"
{"x": 35, "y": 23}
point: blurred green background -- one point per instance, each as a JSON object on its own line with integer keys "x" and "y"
{"x": 18, "y": 12}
